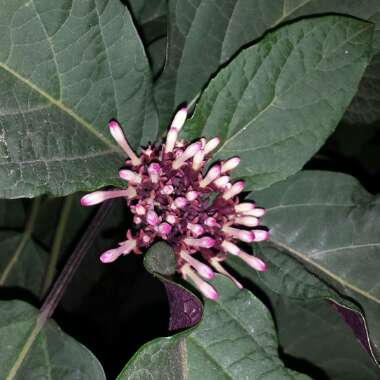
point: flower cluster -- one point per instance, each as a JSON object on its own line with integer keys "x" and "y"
{"x": 198, "y": 214}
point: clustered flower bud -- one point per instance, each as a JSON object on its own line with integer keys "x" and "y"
{"x": 197, "y": 211}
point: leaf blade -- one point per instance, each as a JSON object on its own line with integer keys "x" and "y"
{"x": 67, "y": 357}
{"x": 328, "y": 222}
{"x": 237, "y": 324}
{"x": 274, "y": 105}
{"x": 221, "y": 31}
{"x": 64, "y": 77}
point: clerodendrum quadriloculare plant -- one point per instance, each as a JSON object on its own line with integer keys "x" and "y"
{"x": 173, "y": 200}
{"x": 265, "y": 84}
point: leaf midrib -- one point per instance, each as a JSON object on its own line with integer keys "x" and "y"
{"x": 62, "y": 107}
{"x": 324, "y": 270}
{"x": 267, "y": 354}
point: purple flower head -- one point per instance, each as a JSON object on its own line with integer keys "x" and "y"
{"x": 173, "y": 198}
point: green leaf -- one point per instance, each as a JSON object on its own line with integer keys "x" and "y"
{"x": 22, "y": 262}
{"x": 151, "y": 19}
{"x": 160, "y": 259}
{"x": 214, "y": 31}
{"x": 297, "y": 298}
{"x": 156, "y": 54}
{"x": 52, "y": 355}
{"x": 302, "y": 326}
{"x": 285, "y": 276}
{"x": 235, "y": 340}
{"x": 66, "y": 69}
{"x": 275, "y": 104}
{"x": 328, "y": 222}
{"x": 365, "y": 109}
{"x": 356, "y": 140}
{"x": 12, "y": 214}
{"x": 304, "y": 320}
{"x": 147, "y": 12}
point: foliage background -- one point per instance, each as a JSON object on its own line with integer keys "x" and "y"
{"x": 67, "y": 68}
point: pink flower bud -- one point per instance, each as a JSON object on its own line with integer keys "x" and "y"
{"x": 211, "y": 145}
{"x": 172, "y": 219}
{"x": 212, "y": 174}
{"x": 222, "y": 182}
{"x": 164, "y": 228}
{"x": 198, "y": 159}
{"x": 100, "y": 196}
{"x": 205, "y": 242}
{"x": 191, "y": 196}
{"x": 235, "y": 189}
{"x": 248, "y": 221}
{"x": 253, "y": 261}
{"x": 230, "y": 164}
{"x": 179, "y": 119}
{"x": 140, "y": 210}
{"x": 171, "y": 139}
{"x": 154, "y": 170}
{"x": 167, "y": 189}
{"x": 210, "y": 222}
{"x": 110, "y": 256}
{"x": 196, "y": 229}
{"x": 189, "y": 152}
{"x": 214, "y": 262}
{"x": 244, "y": 207}
{"x": 257, "y": 212}
{"x": 230, "y": 247}
{"x": 93, "y": 198}
{"x": 243, "y": 235}
{"x": 146, "y": 239}
{"x": 206, "y": 289}
{"x": 130, "y": 176}
{"x": 204, "y": 270}
{"x": 180, "y": 202}
{"x": 118, "y": 135}
{"x": 261, "y": 235}
{"x": 152, "y": 218}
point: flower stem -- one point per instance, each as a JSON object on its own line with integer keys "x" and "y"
{"x": 25, "y": 237}
{"x": 57, "y": 243}
{"x": 63, "y": 280}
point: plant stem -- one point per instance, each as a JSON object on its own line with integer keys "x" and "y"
{"x": 60, "y": 285}
{"x": 57, "y": 243}
{"x": 63, "y": 280}
{"x": 25, "y": 237}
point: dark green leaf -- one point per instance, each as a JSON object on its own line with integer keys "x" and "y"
{"x": 312, "y": 332}
{"x": 151, "y": 18}
{"x": 275, "y": 104}
{"x": 12, "y": 214}
{"x": 147, "y": 12}
{"x": 156, "y": 53}
{"x": 285, "y": 276}
{"x": 304, "y": 319}
{"x": 53, "y": 354}
{"x": 66, "y": 68}
{"x": 330, "y": 223}
{"x": 355, "y": 143}
{"x": 22, "y": 262}
{"x": 235, "y": 340}
{"x": 365, "y": 109}
{"x": 205, "y": 34}
{"x": 160, "y": 259}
